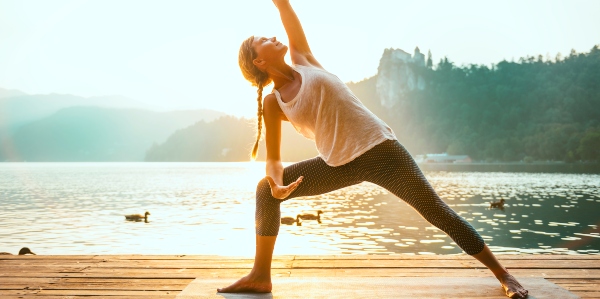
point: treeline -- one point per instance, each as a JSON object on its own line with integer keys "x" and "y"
{"x": 533, "y": 109}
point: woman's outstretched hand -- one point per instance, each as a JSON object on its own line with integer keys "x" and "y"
{"x": 281, "y": 192}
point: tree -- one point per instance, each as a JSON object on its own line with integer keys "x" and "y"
{"x": 589, "y": 147}
{"x": 429, "y": 60}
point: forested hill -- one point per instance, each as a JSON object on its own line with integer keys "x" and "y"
{"x": 537, "y": 108}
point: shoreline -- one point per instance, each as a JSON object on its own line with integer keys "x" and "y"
{"x": 549, "y": 167}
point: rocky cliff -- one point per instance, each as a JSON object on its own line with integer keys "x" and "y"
{"x": 399, "y": 72}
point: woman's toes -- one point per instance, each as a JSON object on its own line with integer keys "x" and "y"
{"x": 519, "y": 294}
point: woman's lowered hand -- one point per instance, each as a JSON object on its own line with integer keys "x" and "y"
{"x": 281, "y": 192}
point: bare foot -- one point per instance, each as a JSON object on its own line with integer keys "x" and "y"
{"x": 512, "y": 287}
{"x": 248, "y": 284}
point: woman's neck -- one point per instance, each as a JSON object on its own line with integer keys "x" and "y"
{"x": 281, "y": 74}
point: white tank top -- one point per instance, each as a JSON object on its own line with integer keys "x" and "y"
{"x": 326, "y": 111}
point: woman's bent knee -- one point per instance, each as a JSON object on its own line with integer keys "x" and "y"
{"x": 267, "y": 215}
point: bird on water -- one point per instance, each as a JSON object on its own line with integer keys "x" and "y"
{"x": 312, "y": 216}
{"x": 291, "y": 220}
{"x": 137, "y": 217}
{"x": 497, "y": 204}
{"x": 23, "y": 251}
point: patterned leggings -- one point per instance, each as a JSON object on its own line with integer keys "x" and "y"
{"x": 388, "y": 165}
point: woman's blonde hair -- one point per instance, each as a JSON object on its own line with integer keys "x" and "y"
{"x": 257, "y": 77}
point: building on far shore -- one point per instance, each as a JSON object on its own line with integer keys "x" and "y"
{"x": 442, "y": 158}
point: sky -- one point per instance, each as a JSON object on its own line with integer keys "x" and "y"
{"x": 183, "y": 54}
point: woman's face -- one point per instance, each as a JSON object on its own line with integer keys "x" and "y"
{"x": 268, "y": 49}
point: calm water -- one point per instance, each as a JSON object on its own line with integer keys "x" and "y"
{"x": 208, "y": 208}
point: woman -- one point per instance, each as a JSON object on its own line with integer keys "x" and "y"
{"x": 354, "y": 146}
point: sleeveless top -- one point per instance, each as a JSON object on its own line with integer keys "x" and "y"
{"x": 326, "y": 111}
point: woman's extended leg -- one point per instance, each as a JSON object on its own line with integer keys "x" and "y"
{"x": 319, "y": 178}
{"x": 259, "y": 279}
{"x": 512, "y": 287}
{"x": 391, "y": 166}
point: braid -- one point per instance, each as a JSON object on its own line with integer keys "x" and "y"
{"x": 259, "y": 114}
{"x": 257, "y": 78}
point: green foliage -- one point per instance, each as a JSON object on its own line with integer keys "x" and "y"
{"x": 589, "y": 146}
{"x": 544, "y": 110}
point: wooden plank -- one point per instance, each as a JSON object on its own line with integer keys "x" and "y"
{"x": 18, "y": 280}
{"x": 197, "y": 264}
{"x": 125, "y": 280}
{"x": 47, "y": 257}
{"x": 169, "y": 296}
{"x": 299, "y": 264}
{"x": 450, "y": 257}
{"x": 118, "y": 284}
{"x": 9, "y": 271}
{"x": 49, "y": 262}
{"x": 226, "y": 264}
{"x": 587, "y": 295}
{"x": 418, "y": 272}
{"x": 114, "y": 287}
{"x": 105, "y": 292}
{"x": 188, "y": 257}
{"x": 510, "y": 264}
{"x": 168, "y": 274}
{"x": 543, "y": 264}
{"x": 43, "y": 267}
{"x": 68, "y": 293}
{"x": 574, "y": 281}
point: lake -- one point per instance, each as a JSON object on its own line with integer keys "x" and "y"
{"x": 208, "y": 208}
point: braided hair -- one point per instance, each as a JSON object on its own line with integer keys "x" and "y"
{"x": 257, "y": 78}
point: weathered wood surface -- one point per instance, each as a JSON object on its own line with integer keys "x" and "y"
{"x": 163, "y": 276}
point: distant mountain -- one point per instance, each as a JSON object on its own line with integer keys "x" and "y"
{"x": 96, "y": 134}
{"x": 227, "y": 139}
{"x": 7, "y": 93}
{"x": 18, "y": 108}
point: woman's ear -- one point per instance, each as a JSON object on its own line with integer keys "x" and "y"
{"x": 260, "y": 63}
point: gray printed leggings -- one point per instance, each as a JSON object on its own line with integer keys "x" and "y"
{"x": 388, "y": 165}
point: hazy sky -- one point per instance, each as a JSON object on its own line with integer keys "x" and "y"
{"x": 183, "y": 54}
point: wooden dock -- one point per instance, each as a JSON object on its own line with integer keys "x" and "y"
{"x": 164, "y": 276}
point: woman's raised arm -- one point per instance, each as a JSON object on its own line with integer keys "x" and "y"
{"x": 299, "y": 49}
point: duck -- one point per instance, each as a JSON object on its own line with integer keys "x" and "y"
{"x": 312, "y": 216}
{"x": 137, "y": 217}
{"x": 497, "y": 204}
{"x": 23, "y": 251}
{"x": 290, "y": 220}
